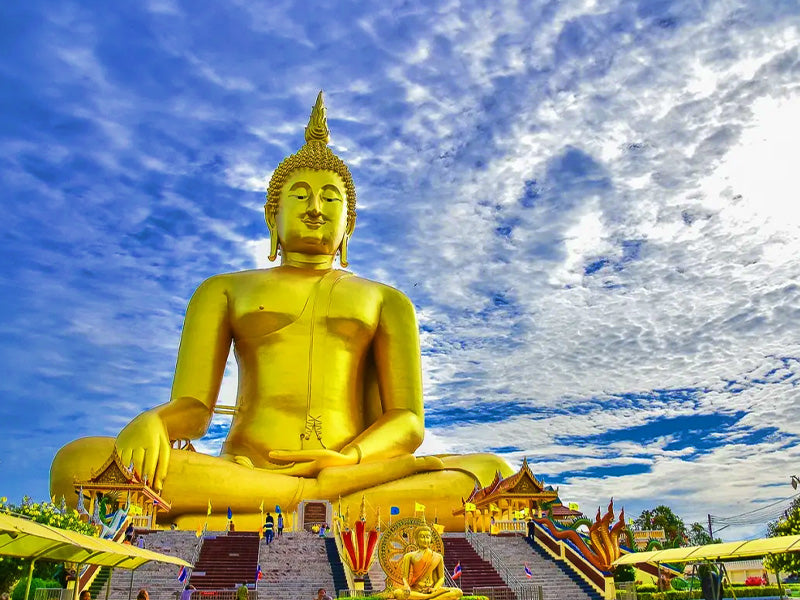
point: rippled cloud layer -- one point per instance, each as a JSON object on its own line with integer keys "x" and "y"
{"x": 591, "y": 205}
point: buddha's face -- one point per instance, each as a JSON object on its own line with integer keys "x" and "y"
{"x": 423, "y": 538}
{"x": 312, "y": 212}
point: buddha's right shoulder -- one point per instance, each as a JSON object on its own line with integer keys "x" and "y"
{"x": 231, "y": 282}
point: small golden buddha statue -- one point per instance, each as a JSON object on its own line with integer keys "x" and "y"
{"x": 330, "y": 386}
{"x": 423, "y": 572}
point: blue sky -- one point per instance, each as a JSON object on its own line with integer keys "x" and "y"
{"x": 591, "y": 204}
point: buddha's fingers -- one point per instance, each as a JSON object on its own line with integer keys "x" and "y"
{"x": 138, "y": 462}
{"x": 161, "y": 467}
{"x": 336, "y": 481}
{"x": 149, "y": 466}
{"x": 125, "y": 456}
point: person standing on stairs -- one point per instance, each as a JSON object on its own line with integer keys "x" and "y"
{"x": 280, "y": 524}
{"x": 269, "y": 529}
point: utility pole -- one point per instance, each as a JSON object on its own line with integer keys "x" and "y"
{"x": 710, "y": 531}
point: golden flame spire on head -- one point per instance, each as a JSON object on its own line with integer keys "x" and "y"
{"x": 317, "y": 128}
{"x": 314, "y": 154}
{"x": 362, "y": 513}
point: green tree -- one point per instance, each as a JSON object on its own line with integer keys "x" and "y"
{"x": 699, "y": 536}
{"x": 788, "y": 525}
{"x": 662, "y": 517}
{"x": 11, "y": 569}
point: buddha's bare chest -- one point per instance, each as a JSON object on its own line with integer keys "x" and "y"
{"x": 263, "y": 308}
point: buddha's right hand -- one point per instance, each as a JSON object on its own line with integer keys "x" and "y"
{"x": 144, "y": 442}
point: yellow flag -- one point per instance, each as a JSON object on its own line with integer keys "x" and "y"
{"x": 261, "y": 506}
{"x": 209, "y": 508}
{"x": 468, "y": 506}
{"x": 419, "y": 507}
{"x": 574, "y": 506}
{"x": 438, "y": 528}
{"x": 199, "y": 531}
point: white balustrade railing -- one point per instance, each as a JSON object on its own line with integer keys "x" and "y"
{"x": 523, "y": 590}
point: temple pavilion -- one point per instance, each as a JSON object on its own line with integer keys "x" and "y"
{"x": 123, "y": 485}
{"x": 506, "y": 503}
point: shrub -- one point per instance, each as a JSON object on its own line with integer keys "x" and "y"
{"x": 741, "y": 592}
{"x": 36, "y": 583}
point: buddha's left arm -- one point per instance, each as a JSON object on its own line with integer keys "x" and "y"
{"x": 399, "y": 430}
{"x": 438, "y": 575}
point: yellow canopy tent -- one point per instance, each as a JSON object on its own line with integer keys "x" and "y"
{"x": 723, "y": 551}
{"x": 26, "y": 539}
{"x": 716, "y": 552}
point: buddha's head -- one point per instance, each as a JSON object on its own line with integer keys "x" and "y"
{"x": 423, "y": 537}
{"x": 311, "y": 199}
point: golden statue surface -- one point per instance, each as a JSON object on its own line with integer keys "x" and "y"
{"x": 329, "y": 402}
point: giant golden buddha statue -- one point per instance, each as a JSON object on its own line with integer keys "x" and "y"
{"x": 330, "y": 388}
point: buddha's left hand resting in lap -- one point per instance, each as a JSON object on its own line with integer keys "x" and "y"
{"x": 330, "y": 387}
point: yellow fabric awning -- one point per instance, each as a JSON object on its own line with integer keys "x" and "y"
{"x": 26, "y": 539}
{"x": 723, "y": 551}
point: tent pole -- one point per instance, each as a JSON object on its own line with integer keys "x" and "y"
{"x": 108, "y": 583}
{"x": 778, "y": 579}
{"x": 130, "y": 588}
{"x": 77, "y": 589}
{"x": 30, "y": 576}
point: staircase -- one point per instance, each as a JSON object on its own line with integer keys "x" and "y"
{"x": 295, "y": 565}
{"x": 99, "y": 582}
{"x": 337, "y": 568}
{"x": 475, "y": 572}
{"x": 558, "y": 581}
{"x": 227, "y": 561}
{"x": 159, "y": 579}
{"x": 376, "y": 576}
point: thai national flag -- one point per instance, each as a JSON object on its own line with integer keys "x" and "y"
{"x": 457, "y": 571}
{"x": 259, "y": 573}
{"x": 528, "y": 572}
{"x": 183, "y": 574}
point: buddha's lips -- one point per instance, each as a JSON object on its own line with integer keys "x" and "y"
{"x": 314, "y": 223}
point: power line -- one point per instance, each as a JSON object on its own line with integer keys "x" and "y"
{"x": 768, "y": 512}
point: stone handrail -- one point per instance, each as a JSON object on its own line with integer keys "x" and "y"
{"x": 508, "y": 526}
{"x": 486, "y": 553}
{"x": 141, "y": 521}
{"x": 563, "y": 551}
{"x": 337, "y": 536}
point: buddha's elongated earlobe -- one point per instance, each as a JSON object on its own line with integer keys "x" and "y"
{"x": 273, "y": 234}
{"x": 351, "y": 225}
{"x": 273, "y": 246}
{"x": 343, "y": 251}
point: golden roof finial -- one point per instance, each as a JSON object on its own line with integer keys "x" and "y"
{"x": 317, "y": 128}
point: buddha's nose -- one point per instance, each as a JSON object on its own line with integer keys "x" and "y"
{"x": 314, "y": 206}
